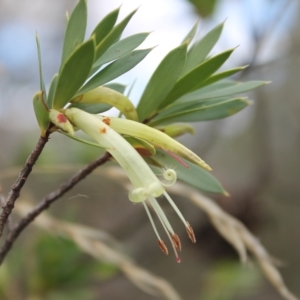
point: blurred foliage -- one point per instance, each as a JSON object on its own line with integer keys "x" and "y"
{"x": 56, "y": 269}
{"x": 205, "y": 8}
{"x": 228, "y": 279}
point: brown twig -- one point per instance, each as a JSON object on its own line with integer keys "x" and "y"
{"x": 14, "y": 193}
{"x": 47, "y": 201}
{"x": 9, "y": 220}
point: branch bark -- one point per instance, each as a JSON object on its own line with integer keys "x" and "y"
{"x": 47, "y": 201}
{"x": 14, "y": 193}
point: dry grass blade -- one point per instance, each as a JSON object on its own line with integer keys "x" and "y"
{"x": 104, "y": 248}
{"x": 231, "y": 229}
{"x": 238, "y": 236}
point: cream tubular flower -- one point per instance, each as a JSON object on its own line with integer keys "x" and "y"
{"x": 147, "y": 187}
{"x": 153, "y": 136}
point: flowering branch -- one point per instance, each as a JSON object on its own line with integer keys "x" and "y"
{"x": 46, "y": 202}
{"x": 14, "y": 193}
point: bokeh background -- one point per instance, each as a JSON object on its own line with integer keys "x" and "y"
{"x": 255, "y": 154}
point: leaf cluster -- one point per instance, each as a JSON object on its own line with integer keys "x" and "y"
{"x": 187, "y": 85}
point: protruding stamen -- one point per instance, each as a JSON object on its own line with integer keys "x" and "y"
{"x": 176, "y": 209}
{"x": 163, "y": 247}
{"x": 190, "y": 232}
{"x": 152, "y": 222}
{"x": 176, "y": 241}
{"x": 161, "y": 214}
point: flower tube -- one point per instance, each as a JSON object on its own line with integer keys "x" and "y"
{"x": 147, "y": 187}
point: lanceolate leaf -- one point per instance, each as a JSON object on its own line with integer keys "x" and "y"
{"x": 105, "y": 25}
{"x": 74, "y": 73}
{"x": 205, "y": 112}
{"x": 75, "y": 30}
{"x": 194, "y": 78}
{"x": 162, "y": 81}
{"x": 194, "y": 176}
{"x": 52, "y": 89}
{"x": 189, "y": 37}
{"x": 219, "y": 76}
{"x": 115, "y": 69}
{"x": 113, "y": 36}
{"x": 42, "y": 83}
{"x": 201, "y": 49}
{"x": 120, "y": 49}
{"x": 233, "y": 89}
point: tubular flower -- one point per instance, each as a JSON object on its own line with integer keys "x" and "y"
{"x": 147, "y": 187}
{"x": 154, "y": 136}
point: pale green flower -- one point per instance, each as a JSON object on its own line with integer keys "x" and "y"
{"x": 147, "y": 187}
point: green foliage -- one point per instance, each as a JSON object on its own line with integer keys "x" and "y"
{"x": 228, "y": 280}
{"x": 74, "y": 73}
{"x": 162, "y": 81}
{"x": 192, "y": 80}
{"x": 105, "y": 25}
{"x": 120, "y": 48}
{"x": 58, "y": 270}
{"x": 75, "y": 31}
{"x": 115, "y": 69}
{"x": 199, "y": 50}
{"x": 112, "y": 37}
{"x": 42, "y": 83}
{"x": 204, "y": 8}
{"x": 187, "y": 85}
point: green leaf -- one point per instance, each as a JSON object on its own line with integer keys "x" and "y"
{"x": 201, "y": 111}
{"x": 75, "y": 30}
{"x": 205, "y": 8}
{"x": 113, "y": 36}
{"x": 120, "y": 49}
{"x": 201, "y": 49}
{"x": 233, "y": 89}
{"x": 189, "y": 37}
{"x": 52, "y": 89}
{"x": 194, "y": 176}
{"x": 194, "y": 78}
{"x": 74, "y": 73}
{"x": 105, "y": 25}
{"x": 42, "y": 82}
{"x": 115, "y": 69}
{"x": 162, "y": 81}
{"x": 41, "y": 112}
{"x": 219, "y": 76}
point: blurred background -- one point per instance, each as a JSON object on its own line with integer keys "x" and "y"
{"x": 255, "y": 154}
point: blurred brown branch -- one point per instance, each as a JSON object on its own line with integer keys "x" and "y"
{"x": 46, "y": 202}
{"x": 14, "y": 193}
